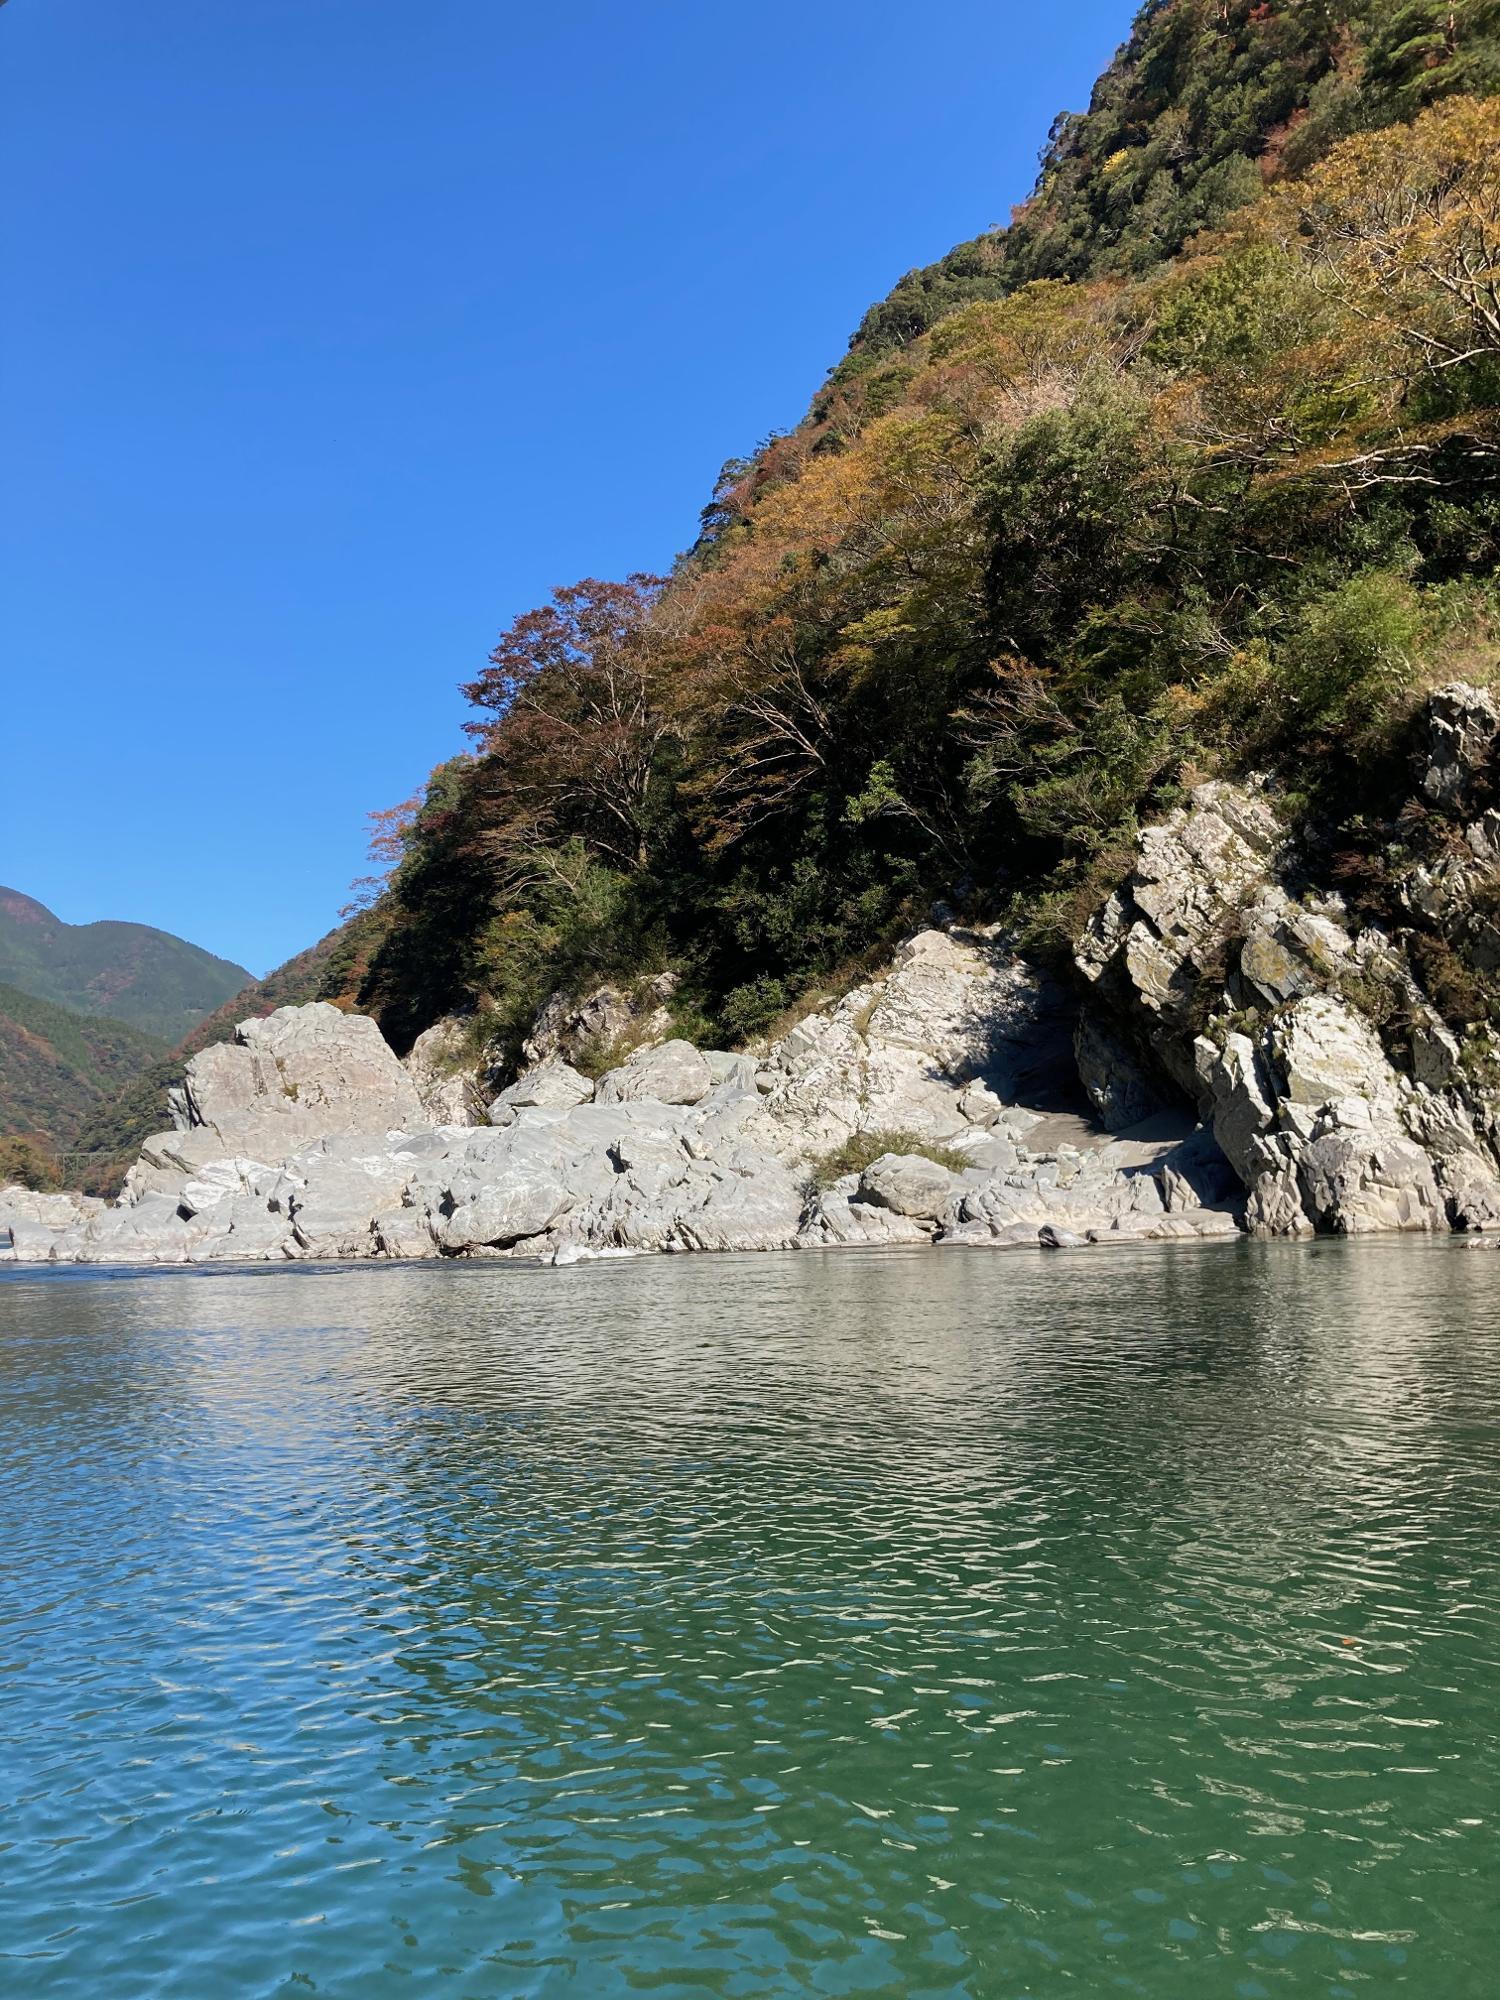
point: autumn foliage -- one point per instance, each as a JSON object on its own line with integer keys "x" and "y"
{"x": 1089, "y": 537}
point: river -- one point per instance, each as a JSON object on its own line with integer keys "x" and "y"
{"x": 925, "y": 1624}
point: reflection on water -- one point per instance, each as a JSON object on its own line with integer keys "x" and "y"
{"x": 914, "y": 1624}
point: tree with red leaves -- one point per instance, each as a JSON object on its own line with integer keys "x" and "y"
{"x": 576, "y": 723}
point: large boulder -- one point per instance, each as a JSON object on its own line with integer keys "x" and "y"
{"x": 909, "y": 1184}
{"x": 45, "y": 1210}
{"x": 669, "y": 1073}
{"x": 758, "y": 1209}
{"x": 301, "y": 1073}
{"x": 554, "y": 1085}
{"x": 333, "y": 1193}
{"x": 632, "y": 1175}
{"x": 839, "y": 1219}
{"x": 500, "y": 1208}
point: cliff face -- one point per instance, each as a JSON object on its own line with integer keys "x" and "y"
{"x": 1234, "y": 1053}
{"x": 1188, "y": 478}
{"x": 1337, "y": 1092}
{"x": 1175, "y": 487}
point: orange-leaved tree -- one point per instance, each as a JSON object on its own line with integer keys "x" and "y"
{"x": 1405, "y": 226}
{"x": 577, "y": 720}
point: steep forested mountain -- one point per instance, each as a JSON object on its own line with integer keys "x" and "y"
{"x": 57, "y": 1069}
{"x": 1208, "y": 102}
{"x": 145, "y": 978}
{"x": 1194, "y": 469}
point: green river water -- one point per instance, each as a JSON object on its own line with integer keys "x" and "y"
{"x": 924, "y": 1624}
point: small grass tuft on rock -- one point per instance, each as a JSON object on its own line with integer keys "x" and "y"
{"x": 863, "y": 1149}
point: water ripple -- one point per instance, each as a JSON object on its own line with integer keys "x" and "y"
{"x": 932, "y": 1626}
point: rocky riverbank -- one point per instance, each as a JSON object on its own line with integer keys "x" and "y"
{"x": 307, "y": 1138}
{"x": 1232, "y": 1054}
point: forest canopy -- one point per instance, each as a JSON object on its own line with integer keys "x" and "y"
{"x": 971, "y": 622}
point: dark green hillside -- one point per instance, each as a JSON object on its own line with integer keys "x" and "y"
{"x": 146, "y": 978}
{"x": 58, "y": 1069}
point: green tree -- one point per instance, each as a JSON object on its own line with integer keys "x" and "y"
{"x": 1429, "y": 49}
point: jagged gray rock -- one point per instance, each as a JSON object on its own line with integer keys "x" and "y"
{"x": 1461, "y": 725}
{"x": 447, "y": 1074}
{"x": 609, "y": 1019}
{"x": 1310, "y": 1113}
{"x": 839, "y": 1219}
{"x": 31, "y": 1222}
{"x": 1160, "y": 939}
{"x": 1240, "y": 989}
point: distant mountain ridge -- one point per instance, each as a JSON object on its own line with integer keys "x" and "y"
{"x": 130, "y": 973}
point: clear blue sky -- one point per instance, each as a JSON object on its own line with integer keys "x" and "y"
{"x": 338, "y": 331}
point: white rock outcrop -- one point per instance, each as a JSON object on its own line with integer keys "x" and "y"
{"x": 306, "y": 1139}
{"x": 300, "y": 1073}
{"x": 1158, "y": 939}
{"x": 1243, "y": 992}
{"x": 959, "y": 1028}
{"x": 1462, "y": 723}
{"x": 1311, "y": 1115}
{"x": 1243, "y": 1053}
{"x": 608, "y": 1019}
